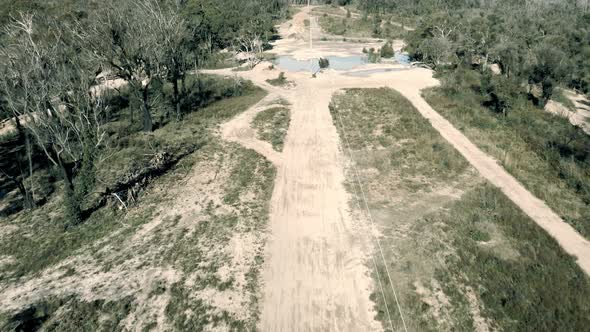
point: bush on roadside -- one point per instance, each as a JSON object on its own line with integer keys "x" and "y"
{"x": 387, "y": 51}
{"x": 279, "y": 81}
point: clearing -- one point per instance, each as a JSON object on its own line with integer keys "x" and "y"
{"x": 314, "y": 206}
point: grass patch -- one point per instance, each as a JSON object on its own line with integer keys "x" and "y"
{"x": 281, "y": 101}
{"x": 34, "y": 251}
{"x": 454, "y": 246}
{"x": 381, "y": 120}
{"x": 272, "y": 125}
{"x": 545, "y": 153}
{"x": 403, "y": 164}
{"x": 281, "y": 80}
{"x": 541, "y": 290}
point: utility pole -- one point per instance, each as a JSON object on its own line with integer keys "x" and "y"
{"x": 310, "y": 35}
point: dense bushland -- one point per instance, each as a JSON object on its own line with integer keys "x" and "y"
{"x": 77, "y": 79}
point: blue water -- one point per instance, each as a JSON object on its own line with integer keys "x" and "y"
{"x": 402, "y": 58}
{"x": 288, "y": 63}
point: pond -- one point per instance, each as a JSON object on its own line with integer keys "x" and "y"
{"x": 289, "y": 63}
{"x": 402, "y": 58}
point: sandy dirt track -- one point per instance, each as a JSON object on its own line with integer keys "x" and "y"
{"x": 316, "y": 276}
{"x": 581, "y": 116}
{"x": 570, "y": 240}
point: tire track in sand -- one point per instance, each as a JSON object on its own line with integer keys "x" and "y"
{"x": 315, "y": 276}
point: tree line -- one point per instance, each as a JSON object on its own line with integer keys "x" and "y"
{"x": 534, "y": 45}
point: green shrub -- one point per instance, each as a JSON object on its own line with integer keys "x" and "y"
{"x": 281, "y": 80}
{"x": 372, "y": 56}
{"x": 387, "y": 51}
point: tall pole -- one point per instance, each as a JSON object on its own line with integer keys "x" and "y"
{"x": 310, "y": 35}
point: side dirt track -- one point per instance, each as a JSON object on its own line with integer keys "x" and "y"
{"x": 315, "y": 275}
{"x": 572, "y": 242}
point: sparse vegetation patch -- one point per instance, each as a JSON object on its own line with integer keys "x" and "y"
{"x": 272, "y": 125}
{"x": 281, "y": 80}
{"x": 224, "y": 206}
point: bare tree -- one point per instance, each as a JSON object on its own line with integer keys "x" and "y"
{"x": 47, "y": 83}
{"x": 251, "y": 43}
{"x": 122, "y": 41}
{"x": 170, "y": 34}
{"x": 143, "y": 41}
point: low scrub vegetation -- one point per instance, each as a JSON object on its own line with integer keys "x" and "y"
{"x": 281, "y": 80}
{"x": 544, "y": 152}
{"x": 272, "y": 125}
{"x": 324, "y": 63}
{"x": 70, "y": 314}
{"x": 461, "y": 255}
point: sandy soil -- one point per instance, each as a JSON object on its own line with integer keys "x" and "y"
{"x": 581, "y": 117}
{"x": 316, "y": 276}
{"x": 135, "y": 263}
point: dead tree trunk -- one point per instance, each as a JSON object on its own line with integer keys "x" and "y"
{"x": 71, "y": 202}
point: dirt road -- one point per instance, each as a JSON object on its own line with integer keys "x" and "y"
{"x": 581, "y": 116}
{"x": 316, "y": 276}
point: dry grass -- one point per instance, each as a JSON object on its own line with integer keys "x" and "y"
{"x": 461, "y": 255}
